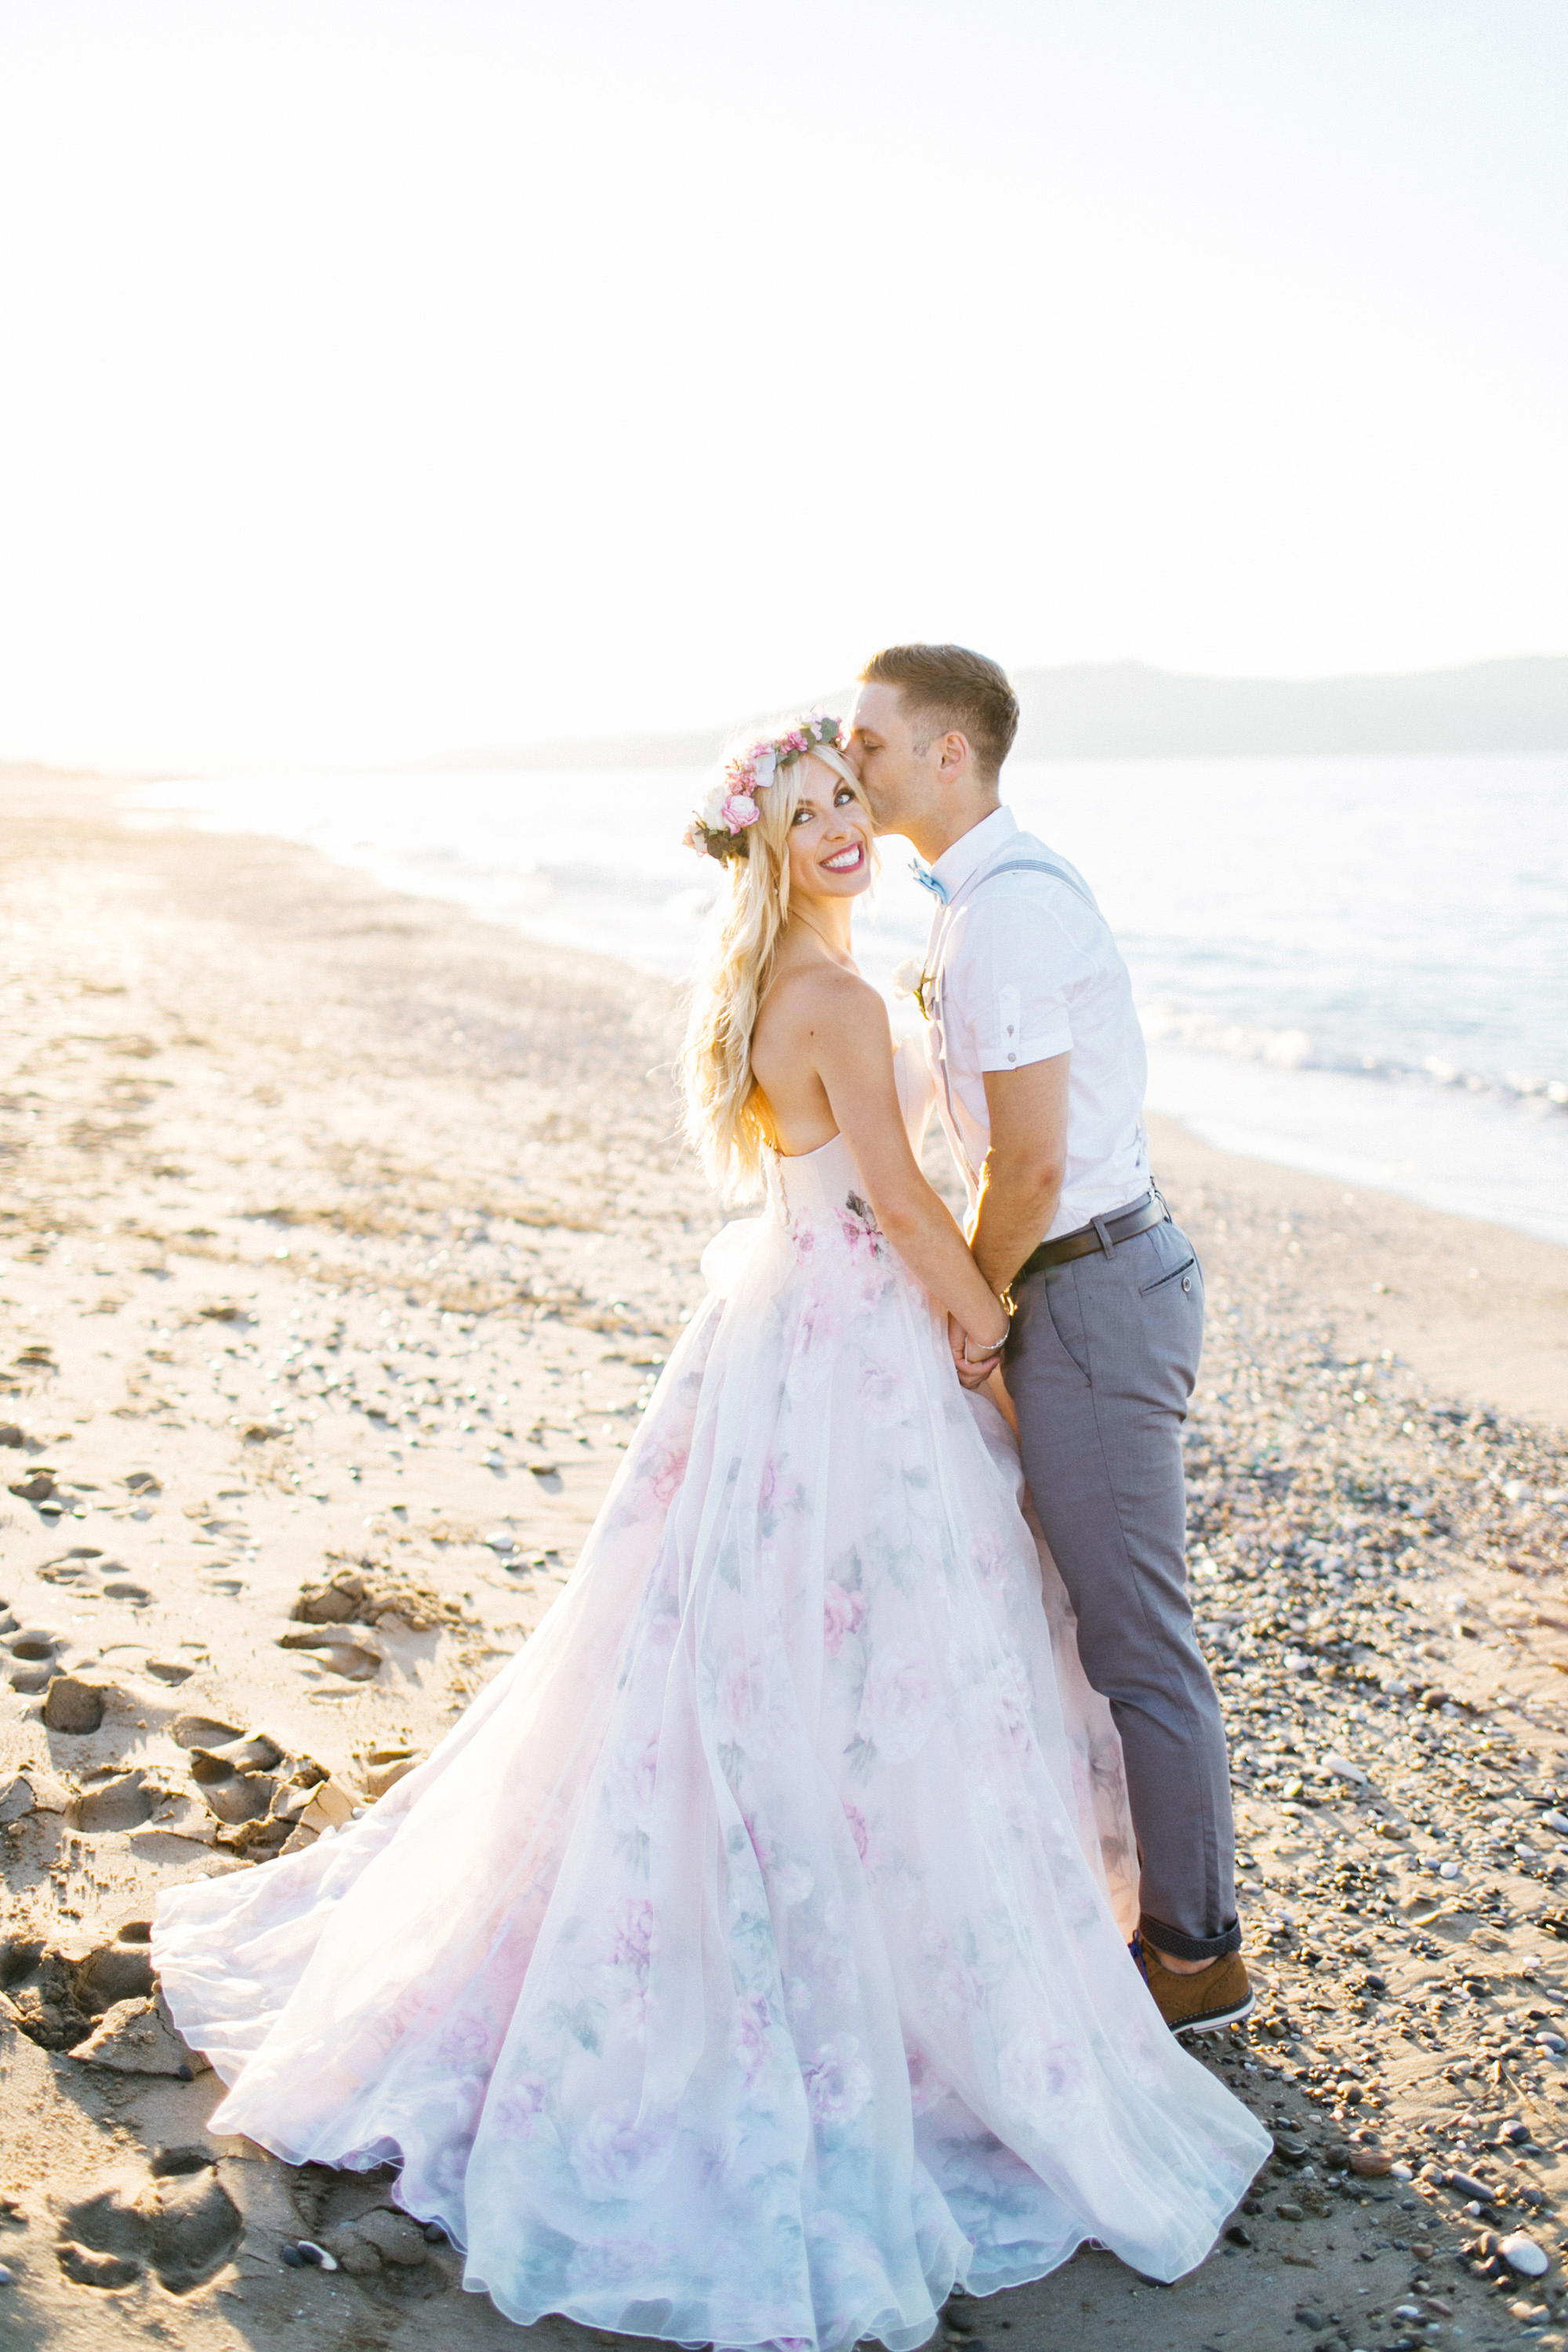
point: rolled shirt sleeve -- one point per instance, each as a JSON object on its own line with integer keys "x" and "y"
{"x": 1030, "y": 971}
{"x": 1016, "y": 976}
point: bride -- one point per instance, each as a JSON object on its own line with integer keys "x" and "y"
{"x": 750, "y": 1965}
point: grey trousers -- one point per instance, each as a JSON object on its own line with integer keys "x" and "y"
{"x": 1100, "y": 1364}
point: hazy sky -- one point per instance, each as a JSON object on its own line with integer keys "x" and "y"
{"x": 384, "y": 375}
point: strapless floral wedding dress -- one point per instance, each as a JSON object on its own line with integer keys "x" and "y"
{"x": 748, "y": 1965}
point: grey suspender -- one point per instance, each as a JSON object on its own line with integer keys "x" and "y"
{"x": 1031, "y": 866}
{"x": 987, "y": 873}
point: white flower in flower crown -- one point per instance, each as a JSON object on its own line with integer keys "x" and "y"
{"x": 908, "y": 978}
{"x": 730, "y": 807}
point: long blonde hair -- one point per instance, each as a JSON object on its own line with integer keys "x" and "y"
{"x": 722, "y": 1118}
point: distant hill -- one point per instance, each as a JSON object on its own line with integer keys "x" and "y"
{"x": 1129, "y": 711}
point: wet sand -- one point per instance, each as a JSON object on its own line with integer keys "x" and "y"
{"x": 341, "y": 1238}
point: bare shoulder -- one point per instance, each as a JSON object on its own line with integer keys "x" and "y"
{"x": 822, "y": 996}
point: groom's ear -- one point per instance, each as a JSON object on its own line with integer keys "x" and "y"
{"x": 955, "y": 756}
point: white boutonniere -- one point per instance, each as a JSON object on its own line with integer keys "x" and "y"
{"x": 911, "y": 979}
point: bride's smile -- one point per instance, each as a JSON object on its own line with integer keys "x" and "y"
{"x": 829, "y": 837}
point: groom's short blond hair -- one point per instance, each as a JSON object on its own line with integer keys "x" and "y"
{"x": 948, "y": 688}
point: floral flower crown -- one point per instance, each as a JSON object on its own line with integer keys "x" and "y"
{"x": 719, "y": 826}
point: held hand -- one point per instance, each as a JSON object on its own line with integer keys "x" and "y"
{"x": 970, "y": 1376}
{"x": 975, "y": 1358}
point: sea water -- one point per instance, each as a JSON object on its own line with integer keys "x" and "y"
{"x": 1356, "y": 966}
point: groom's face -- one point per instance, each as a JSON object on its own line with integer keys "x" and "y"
{"x": 894, "y": 772}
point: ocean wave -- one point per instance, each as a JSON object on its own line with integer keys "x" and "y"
{"x": 1402, "y": 940}
{"x": 1294, "y": 1049}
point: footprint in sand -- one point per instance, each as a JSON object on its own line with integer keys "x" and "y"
{"x": 72, "y": 1565}
{"x": 337, "y": 1654}
{"x": 201, "y": 1731}
{"x": 75, "y": 1705}
{"x": 33, "y": 1660}
{"x": 229, "y": 1795}
{"x": 120, "y": 1800}
{"x": 180, "y": 2223}
{"x": 257, "y": 1754}
{"x": 248, "y": 1783}
{"x": 37, "y": 1487}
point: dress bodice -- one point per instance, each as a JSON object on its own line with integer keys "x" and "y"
{"x": 809, "y": 1186}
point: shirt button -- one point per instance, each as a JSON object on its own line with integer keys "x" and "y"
{"x": 1012, "y": 1057}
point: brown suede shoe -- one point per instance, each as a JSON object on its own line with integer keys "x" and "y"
{"x": 1218, "y": 1995}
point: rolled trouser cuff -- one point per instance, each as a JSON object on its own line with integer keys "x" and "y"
{"x": 1171, "y": 1941}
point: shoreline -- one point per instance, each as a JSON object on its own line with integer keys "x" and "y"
{"x": 1478, "y": 1311}
{"x": 343, "y": 1236}
{"x": 1469, "y": 1146}
{"x": 1474, "y": 1307}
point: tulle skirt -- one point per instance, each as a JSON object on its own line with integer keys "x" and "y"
{"x": 750, "y": 1963}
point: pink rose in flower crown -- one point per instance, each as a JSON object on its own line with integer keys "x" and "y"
{"x": 730, "y": 808}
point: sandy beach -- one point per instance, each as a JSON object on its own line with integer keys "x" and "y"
{"x": 342, "y": 1237}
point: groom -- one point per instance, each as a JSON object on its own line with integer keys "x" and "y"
{"x": 1040, "y": 1069}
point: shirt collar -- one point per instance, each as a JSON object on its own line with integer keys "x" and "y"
{"x": 973, "y": 849}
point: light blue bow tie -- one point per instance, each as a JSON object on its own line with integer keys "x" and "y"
{"x": 928, "y": 880}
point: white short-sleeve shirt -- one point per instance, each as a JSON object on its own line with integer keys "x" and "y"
{"x": 1029, "y": 969}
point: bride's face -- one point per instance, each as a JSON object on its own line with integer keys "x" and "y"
{"x": 829, "y": 838}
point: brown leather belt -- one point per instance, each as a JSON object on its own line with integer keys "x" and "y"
{"x": 1100, "y": 1234}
